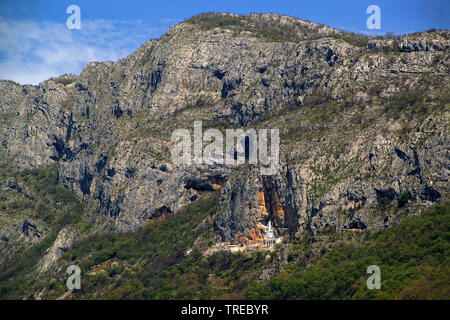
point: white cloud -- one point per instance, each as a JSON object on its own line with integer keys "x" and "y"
{"x": 31, "y": 52}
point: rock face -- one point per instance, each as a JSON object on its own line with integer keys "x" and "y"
{"x": 342, "y": 191}
{"x": 363, "y": 125}
{"x": 65, "y": 239}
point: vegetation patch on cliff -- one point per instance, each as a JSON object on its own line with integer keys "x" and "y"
{"x": 413, "y": 258}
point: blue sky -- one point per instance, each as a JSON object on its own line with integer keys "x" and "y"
{"x": 35, "y": 43}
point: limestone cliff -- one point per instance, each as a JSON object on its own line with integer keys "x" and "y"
{"x": 363, "y": 125}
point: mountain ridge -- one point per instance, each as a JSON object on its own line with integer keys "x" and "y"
{"x": 363, "y": 126}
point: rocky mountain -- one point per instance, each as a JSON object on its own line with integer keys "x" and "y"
{"x": 363, "y": 125}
